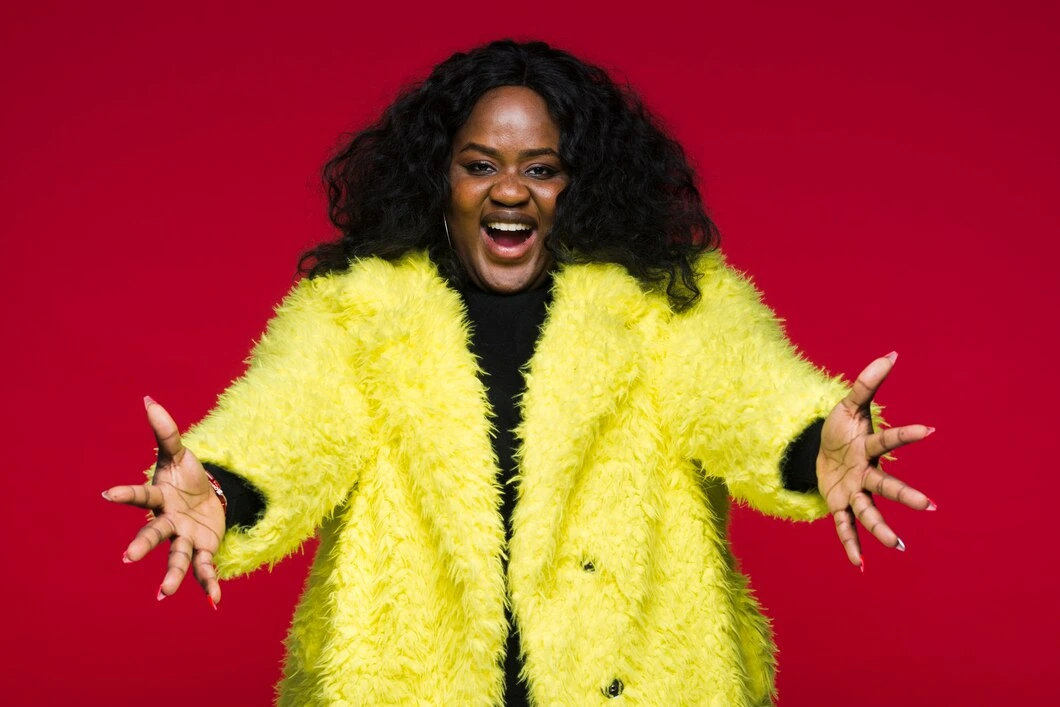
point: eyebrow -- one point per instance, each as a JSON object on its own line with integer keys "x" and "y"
{"x": 536, "y": 152}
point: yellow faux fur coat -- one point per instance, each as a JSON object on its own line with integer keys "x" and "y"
{"x": 361, "y": 417}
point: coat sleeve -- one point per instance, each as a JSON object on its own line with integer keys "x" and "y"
{"x": 294, "y": 426}
{"x": 740, "y": 392}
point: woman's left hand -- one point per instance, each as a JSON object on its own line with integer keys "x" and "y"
{"x": 848, "y": 472}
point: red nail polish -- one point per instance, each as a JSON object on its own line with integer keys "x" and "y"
{"x": 892, "y": 357}
{"x": 931, "y": 506}
{"x": 212, "y": 604}
{"x": 125, "y": 558}
{"x": 148, "y": 400}
{"x": 161, "y": 596}
{"x": 862, "y": 565}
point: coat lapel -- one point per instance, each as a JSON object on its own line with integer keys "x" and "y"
{"x": 589, "y": 354}
{"x": 432, "y": 410}
{"x": 432, "y": 406}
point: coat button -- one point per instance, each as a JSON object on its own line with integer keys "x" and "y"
{"x": 589, "y": 566}
{"x": 614, "y": 689}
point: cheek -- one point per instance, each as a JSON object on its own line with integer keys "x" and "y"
{"x": 548, "y": 202}
{"x": 464, "y": 199}
{"x": 462, "y": 216}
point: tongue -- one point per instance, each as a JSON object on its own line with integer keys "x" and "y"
{"x": 509, "y": 238}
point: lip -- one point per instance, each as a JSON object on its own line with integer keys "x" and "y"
{"x": 508, "y": 253}
{"x": 510, "y": 217}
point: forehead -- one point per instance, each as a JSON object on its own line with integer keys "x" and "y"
{"x": 510, "y": 114}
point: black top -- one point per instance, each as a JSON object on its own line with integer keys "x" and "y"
{"x": 504, "y": 331}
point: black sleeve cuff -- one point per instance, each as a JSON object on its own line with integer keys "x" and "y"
{"x": 798, "y": 470}
{"x": 245, "y": 503}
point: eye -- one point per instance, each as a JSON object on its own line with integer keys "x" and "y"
{"x": 542, "y": 171}
{"x": 478, "y": 167}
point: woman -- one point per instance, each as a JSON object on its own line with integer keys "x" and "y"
{"x": 489, "y": 536}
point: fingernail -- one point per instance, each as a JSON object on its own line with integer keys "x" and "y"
{"x": 125, "y": 558}
{"x": 148, "y": 400}
{"x": 931, "y": 506}
{"x": 862, "y": 565}
{"x": 161, "y": 596}
{"x": 900, "y": 547}
{"x": 106, "y": 496}
{"x": 930, "y": 431}
{"x": 212, "y": 604}
{"x": 893, "y": 356}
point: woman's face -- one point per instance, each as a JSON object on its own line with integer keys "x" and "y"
{"x": 505, "y": 175}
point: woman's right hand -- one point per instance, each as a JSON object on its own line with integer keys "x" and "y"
{"x": 186, "y": 509}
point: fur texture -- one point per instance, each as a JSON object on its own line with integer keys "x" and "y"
{"x": 361, "y": 415}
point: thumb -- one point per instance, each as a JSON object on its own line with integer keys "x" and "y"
{"x": 166, "y": 433}
{"x": 869, "y": 381}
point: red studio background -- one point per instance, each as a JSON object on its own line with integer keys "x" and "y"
{"x": 888, "y": 172}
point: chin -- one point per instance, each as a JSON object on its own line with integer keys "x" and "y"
{"x": 509, "y": 281}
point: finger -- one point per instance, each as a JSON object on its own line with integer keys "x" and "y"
{"x": 871, "y": 519}
{"x": 206, "y": 573}
{"x": 142, "y": 496}
{"x": 879, "y": 443}
{"x": 883, "y": 484}
{"x": 848, "y": 535}
{"x": 179, "y": 560}
{"x": 166, "y": 433}
{"x": 869, "y": 381}
{"x": 150, "y": 537}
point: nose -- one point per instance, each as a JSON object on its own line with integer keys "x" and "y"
{"x": 509, "y": 190}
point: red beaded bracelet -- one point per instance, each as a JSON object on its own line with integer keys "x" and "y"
{"x": 218, "y": 491}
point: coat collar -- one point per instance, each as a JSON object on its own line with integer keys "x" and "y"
{"x": 433, "y": 410}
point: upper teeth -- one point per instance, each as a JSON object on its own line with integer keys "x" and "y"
{"x": 501, "y": 226}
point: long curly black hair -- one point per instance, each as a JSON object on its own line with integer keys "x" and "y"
{"x": 632, "y": 197}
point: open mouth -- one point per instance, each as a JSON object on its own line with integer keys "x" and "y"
{"x": 509, "y": 235}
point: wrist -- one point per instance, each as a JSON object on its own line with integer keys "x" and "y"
{"x": 218, "y": 491}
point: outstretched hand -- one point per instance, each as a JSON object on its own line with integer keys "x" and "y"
{"x": 848, "y": 472}
{"x": 186, "y": 510}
